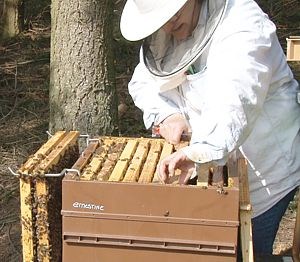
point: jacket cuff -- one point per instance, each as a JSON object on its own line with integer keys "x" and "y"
{"x": 203, "y": 153}
{"x": 156, "y": 119}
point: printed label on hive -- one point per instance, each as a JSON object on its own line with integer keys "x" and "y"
{"x": 88, "y": 206}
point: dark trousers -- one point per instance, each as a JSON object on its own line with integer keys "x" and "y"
{"x": 265, "y": 226}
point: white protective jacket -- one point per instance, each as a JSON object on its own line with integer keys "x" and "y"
{"x": 243, "y": 97}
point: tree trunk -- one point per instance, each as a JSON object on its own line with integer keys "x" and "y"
{"x": 82, "y": 81}
{"x": 12, "y": 18}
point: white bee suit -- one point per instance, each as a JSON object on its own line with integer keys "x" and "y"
{"x": 243, "y": 96}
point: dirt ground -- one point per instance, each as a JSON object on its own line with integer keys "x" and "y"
{"x": 24, "y": 79}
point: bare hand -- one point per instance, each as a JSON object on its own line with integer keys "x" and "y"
{"x": 178, "y": 160}
{"x": 173, "y": 127}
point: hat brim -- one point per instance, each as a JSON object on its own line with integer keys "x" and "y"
{"x": 135, "y": 25}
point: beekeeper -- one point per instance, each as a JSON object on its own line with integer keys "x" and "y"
{"x": 215, "y": 68}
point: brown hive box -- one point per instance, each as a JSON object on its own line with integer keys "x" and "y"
{"x": 117, "y": 210}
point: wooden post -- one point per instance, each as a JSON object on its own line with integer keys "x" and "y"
{"x": 245, "y": 212}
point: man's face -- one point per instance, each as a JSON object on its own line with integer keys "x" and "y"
{"x": 182, "y": 24}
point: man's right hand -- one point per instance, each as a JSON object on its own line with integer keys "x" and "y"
{"x": 173, "y": 127}
{"x": 177, "y": 160}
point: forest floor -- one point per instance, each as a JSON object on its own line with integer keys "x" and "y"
{"x": 24, "y": 112}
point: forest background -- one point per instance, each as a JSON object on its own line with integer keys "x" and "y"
{"x": 24, "y": 101}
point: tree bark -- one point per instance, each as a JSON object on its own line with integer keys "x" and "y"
{"x": 12, "y": 18}
{"x": 82, "y": 81}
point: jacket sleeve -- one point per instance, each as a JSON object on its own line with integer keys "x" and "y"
{"x": 239, "y": 70}
{"x": 144, "y": 91}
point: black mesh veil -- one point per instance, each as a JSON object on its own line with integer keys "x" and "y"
{"x": 165, "y": 56}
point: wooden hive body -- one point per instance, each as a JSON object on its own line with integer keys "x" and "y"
{"x": 293, "y": 48}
